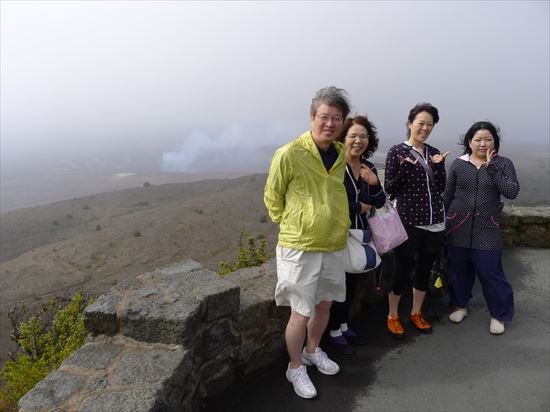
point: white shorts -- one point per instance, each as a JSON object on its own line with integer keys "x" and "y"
{"x": 304, "y": 279}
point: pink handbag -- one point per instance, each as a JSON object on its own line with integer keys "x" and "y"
{"x": 386, "y": 229}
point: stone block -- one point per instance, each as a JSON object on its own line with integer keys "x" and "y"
{"x": 192, "y": 403}
{"x": 157, "y": 321}
{"x": 216, "y": 377}
{"x": 216, "y": 339}
{"x": 100, "y": 316}
{"x": 179, "y": 386}
{"x": 276, "y": 326}
{"x": 242, "y": 275}
{"x": 220, "y": 296}
{"x": 98, "y": 383}
{"x": 258, "y": 280}
{"x": 534, "y": 236}
{"x": 246, "y": 349}
{"x": 268, "y": 350}
{"x": 185, "y": 266}
{"x": 253, "y": 314}
{"x": 221, "y": 303}
{"x": 128, "y": 400}
{"x": 145, "y": 292}
{"x": 49, "y": 393}
{"x": 264, "y": 290}
{"x": 281, "y": 313}
{"x": 536, "y": 219}
{"x": 509, "y": 220}
{"x": 126, "y": 284}
{"x": 151, "y": 366}
{"x": 93, "y": 356}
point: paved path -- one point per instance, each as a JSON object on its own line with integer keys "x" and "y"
{"x": 457, "y": 368}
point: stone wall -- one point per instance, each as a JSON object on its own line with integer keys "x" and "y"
{"x": 168, "y": 339}
{"x": 526, "y": 226}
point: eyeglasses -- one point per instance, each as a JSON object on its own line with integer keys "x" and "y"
{"x": 325, "y": 118}
{"x": 357, "y": 136}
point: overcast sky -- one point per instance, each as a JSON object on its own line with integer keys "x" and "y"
{"x": 195, "y": 86}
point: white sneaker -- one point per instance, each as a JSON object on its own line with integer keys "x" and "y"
{"x": 496, "y": 327}
{"x": 458, "y": 315}
{"x": 301, "y": 382}
{"x": 321, "y": 361}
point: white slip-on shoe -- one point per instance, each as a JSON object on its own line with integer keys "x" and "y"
{"x": 496, "y": 327}
{"x": 321, "y": 361}
{"x": 300, "y": 381}
{"x": 458, "y": 315}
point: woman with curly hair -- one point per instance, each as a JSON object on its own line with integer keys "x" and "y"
{"x": 364, "y": 191}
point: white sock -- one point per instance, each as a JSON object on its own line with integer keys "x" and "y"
{"x": 343, "y": 327}
{"x": 335, "y": 333}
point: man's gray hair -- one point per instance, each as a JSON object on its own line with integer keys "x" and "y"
{"x": 331, "y": 96}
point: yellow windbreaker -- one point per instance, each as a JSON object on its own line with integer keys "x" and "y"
{"x": 309, "y": 203}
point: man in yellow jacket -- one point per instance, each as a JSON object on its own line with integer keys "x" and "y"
{"x": 305, "y": 195}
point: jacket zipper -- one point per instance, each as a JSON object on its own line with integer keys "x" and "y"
{"x": 475, "y": 209}
{"x": 428, "y": 185}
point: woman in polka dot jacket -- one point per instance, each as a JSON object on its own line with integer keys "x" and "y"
{"x": 472, "y": 199}
{"x": 415, "y": 177}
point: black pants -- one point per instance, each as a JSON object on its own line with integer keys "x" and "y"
{"x": 426, "y": 246}
{"x": 339, "y": 311}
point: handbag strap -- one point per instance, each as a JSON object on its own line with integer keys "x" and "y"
{"x": 423, "y": 163}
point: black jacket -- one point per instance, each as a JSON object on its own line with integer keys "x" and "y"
{"x": 360, "y": 191}
{"x": 472, "y": 201}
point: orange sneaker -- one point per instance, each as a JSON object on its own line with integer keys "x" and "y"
{"x": 395, "y": 327}
{"x": 420, "y": 323}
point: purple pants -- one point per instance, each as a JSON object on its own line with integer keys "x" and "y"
{"x": 464, "y": 264}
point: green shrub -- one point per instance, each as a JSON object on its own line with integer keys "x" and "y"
{"x": 247, "y": 256}
{"x": 136, "y": 233}
{"x": 50, "y": 335}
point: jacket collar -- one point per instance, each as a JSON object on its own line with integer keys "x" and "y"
{"x": 426, "y": 148}
{"x": 306, "y": 140}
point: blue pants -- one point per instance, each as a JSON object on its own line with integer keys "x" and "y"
{"x": 464, "y": 263}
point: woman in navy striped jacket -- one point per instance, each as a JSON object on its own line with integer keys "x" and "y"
{"x": 476, "y": 181}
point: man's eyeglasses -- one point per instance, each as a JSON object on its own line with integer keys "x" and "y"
{"x": 325, "y": 118}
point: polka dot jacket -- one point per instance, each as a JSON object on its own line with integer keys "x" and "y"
{"x": 419, "y": 200}
{"x": 472, "y": 200}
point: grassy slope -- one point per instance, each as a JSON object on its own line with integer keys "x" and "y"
{"x": 202, "y": 220}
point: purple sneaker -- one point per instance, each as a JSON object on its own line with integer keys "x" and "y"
{"x": 349, "y": 334}
{"x": 354, "y": 338}
{"x": 342, "y": 345}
